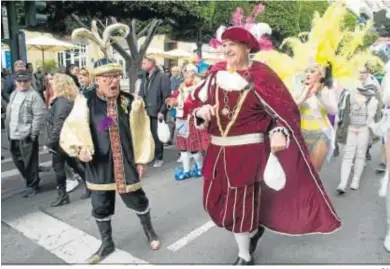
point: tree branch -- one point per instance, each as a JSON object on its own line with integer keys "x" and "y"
{"x": 144, "y": 30}
{"x": 133, "y": 31}
{"x": 131, "y": 42}
{"x": 78, "y": 20}
{"x": 148, "y": 39}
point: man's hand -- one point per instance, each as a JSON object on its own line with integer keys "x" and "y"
{"x": 172, "y": 102}
{"x": 160, "y": 116}
{"x": 141, "y": 169}
{"x": 206, "y": 112}
{"x": 84, "y": 155}
{"x": 278, "y": 142}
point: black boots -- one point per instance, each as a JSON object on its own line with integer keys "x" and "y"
{"x": 241, "y": 261}
{"x": 107, "y": 247}
{"x": 62, "y": 197}
{"x": 255, "y": 239}
{"x": 151, "y": 235}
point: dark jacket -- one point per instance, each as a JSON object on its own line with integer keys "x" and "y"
{"x": 9, "y": 87}
{"x": 58, "y": 112}
{"x": 154, "y": 90}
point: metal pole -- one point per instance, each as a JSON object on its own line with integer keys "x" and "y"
{"x": 12, "y": 20}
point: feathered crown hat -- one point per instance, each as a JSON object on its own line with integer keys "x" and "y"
{"x": 327, "y": 45}
{"x": 102, "y": 48}
{"x": 253, "y": 34}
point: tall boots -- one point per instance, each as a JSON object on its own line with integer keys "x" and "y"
{"x": 62, "y": 197}
{"x": 107, "y": 247}
{"x": 146, "y": 222}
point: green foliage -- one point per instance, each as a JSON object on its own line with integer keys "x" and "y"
{"x": 350, "y": 21}
{"x": 282, "y": 18}
{"x": 61, "y": 22}
{"x": 369, "y": 39}
{"x": 306, "y": 12}
{"x": 47, "y": 65}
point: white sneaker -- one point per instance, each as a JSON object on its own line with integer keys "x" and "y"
{"x": 179, "y": 160}
{"x": 386, "y": 243}
{"x": 158, "y": 163}
{"x": 354, "y": 185}
{"x": 340, "y": 189}
{"x": 71, "y": 185}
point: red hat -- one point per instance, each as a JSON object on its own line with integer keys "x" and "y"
{"x": 241, "y": 35}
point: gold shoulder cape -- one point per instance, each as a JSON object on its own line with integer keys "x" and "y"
{"x": 76, "y": 134}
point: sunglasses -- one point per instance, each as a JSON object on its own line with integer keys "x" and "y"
{"x": 23, "y": 81}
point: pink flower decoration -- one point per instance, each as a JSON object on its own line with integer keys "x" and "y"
{"x": 265, "y": 43}
{"x": 238, "y": 17}
{"x": 215, "y": 43}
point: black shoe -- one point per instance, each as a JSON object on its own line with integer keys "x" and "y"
{"x": 154, "y": 241}
{"x": 381, "y": 168}
{"x": 255, "y": 240}
{"x": 30, "y": 191}
{"x": 336, "y": 151}
{"x": 86, "y": 195}
{"x": 368, "y": 155}
{"x": 107, "y": 247}
{"x": 241, "y": 261}
{"x": 62, "y": 197}
{"x": 2, "y": 158}
{"x": 44, "y": 169}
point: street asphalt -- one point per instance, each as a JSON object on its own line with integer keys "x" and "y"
{"x": 34, "y": 233}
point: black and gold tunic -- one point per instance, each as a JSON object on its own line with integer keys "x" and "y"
{"x": 100, "y": 171}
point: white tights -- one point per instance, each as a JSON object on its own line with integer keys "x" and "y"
{"x": 243, "y": 241}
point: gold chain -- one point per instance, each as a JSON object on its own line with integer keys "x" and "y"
{"x": 236, "y": 111}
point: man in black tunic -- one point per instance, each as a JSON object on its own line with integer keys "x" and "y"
{"x": 113, "y": 164}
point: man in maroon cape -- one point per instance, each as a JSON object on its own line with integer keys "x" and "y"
{"x": 249, "y": 113}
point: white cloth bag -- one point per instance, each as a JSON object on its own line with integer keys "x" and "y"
{"x": 274, "y": 176}
{"x": 163, "y": 131}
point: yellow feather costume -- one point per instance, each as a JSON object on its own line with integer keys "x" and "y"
{"x": 327, "y": 44}
{"x": 76, "y": 134}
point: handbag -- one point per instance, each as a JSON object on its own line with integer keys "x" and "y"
{"x": 274, "y": 176}
{"x": 163, "y": 131}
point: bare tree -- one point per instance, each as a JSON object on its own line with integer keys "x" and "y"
{"x": 133, "y": 59}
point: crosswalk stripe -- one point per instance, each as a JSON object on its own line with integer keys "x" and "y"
{"x": 191, "y": 236}
{"x": 14, "y": 172}
{"x": 68, "y": 243}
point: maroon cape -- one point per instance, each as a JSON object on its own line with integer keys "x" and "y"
{"x": 302, "y": 206}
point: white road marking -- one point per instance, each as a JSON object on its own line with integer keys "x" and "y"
{"x": 14, "y": 172}
{"x": 9, "y": 159}
{"x": 191, "y": 236}
{"x": 71, "y": 245}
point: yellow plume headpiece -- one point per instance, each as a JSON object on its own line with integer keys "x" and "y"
{"x": 327, "y": 44}
{"x": 102, "y": 46}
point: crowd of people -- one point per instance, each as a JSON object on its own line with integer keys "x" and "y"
{"x": 234, "y": 119}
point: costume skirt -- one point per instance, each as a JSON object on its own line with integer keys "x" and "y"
{"x": 198, "y": 140}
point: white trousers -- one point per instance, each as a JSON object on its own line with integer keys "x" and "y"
{"x": 354, "y": 150}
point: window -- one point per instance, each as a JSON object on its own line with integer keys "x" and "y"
{"x": 76, "y": 56}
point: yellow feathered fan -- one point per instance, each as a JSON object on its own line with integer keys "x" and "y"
{"x": 326, "y": 44}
